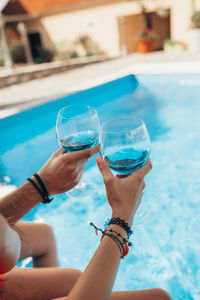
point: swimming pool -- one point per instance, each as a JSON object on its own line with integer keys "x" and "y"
{"x": 166, "y": 250}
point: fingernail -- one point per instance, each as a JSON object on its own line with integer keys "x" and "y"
{"x": 99, "y": 159}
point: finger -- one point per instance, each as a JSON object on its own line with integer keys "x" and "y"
{"x": 139, "y": 200}
{"x": 143, "y": 184}
{"x": 143, "y": 171}
{"x": 58, "y": 152}
{"x": 83, "y": 161}
{"x": 83, "y": 154}
{"x": 76, "y": 166}
{"x": 104, "y": 169}
{"x": 78, "y": 170}
{"x": 79, "y": 175}
{"x": 122, "y": 176}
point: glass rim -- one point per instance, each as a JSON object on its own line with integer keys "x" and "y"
{"x": 74, "y": 106}
{"x": 121, "y": 130}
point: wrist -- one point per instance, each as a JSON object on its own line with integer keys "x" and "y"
{"x": 118, "y": 229}
{"x": 47, "y": 184}
{"x": 32, "y": 190}
{"x": 120, "y": 222}
{"x": 40, "y": 187}
{"x": 123, "y": 215}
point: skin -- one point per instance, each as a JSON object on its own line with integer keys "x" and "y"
{"x": 124, "y": 196}
{"x": 60, "y": 173}
{"x": 38, "y": 241}
{"x": 10, "y": 246}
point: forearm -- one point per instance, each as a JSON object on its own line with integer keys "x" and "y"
{"x": 17, "y": 204}
{"x": 59, "y": 174}
{"x": 124, "y": 196}
{"x": 96, "y": 282}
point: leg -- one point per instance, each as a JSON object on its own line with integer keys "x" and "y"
{"x": 38, "y": 241}
{"x": 151, "y": 294}
{"x": 55, "y": 283}
{"x": 39, "y": 283}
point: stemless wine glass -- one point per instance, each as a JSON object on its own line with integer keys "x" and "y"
{"x": 125, "y": 146}
{"x": 77, "y": 129}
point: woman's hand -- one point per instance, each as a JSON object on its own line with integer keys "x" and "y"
{"x": 63, "y": 170}
{"x": 124, "y": 194}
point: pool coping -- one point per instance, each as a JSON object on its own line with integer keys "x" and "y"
{"x": 135, "y": 69}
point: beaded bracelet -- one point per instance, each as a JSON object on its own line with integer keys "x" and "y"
{"x": 121, "y": 223}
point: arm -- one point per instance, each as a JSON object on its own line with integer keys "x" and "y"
{"x": 10, "y": 246}
{"x": 124, "y": 196}
{"x": 15, "y": 205}
{"x": 60, "y": 173}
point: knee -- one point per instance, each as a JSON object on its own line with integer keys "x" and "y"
{"x": 77, "y": 273}
{"x": 74, "y": 274}
{"x": 70, "y": 273}
{"x": 162, "y": 294}
{"x": 47, "y": 232}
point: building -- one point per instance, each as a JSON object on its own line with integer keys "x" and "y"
{"x": 112, "y": 24}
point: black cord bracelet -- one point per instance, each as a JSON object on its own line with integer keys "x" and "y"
{"x": 45, "y": 196}
{"x": 41, "y": 183}
{"x": 36, "y": 187}
{"x": 43, "y": 188}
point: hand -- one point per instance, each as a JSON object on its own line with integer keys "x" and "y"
{"x": 124, "y": 194}
{"x": 64, "y": 170}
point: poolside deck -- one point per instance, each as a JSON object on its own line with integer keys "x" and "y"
{"x": 24, "y": 95}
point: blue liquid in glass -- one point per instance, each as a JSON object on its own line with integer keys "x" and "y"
{"x": 80, "y": 141}
{"x": 127, "y": 160}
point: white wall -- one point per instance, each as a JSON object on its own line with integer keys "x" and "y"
{"x": 99, "y": 22}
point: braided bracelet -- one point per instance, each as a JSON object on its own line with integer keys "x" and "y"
{"x": 121, "y": 223}
{"x": 122, "y": 244}
{"x": 117, "y": 241}
{"x": 118, "y": 234}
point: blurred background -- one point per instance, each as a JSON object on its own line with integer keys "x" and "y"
{"x": 39, "y": 31}
{"x": 44, "y": 37}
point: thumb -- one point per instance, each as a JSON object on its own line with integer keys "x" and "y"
{"x": 58, "y": 152}
{"x": 104, "y": 169}
{"x": 141, "y": 173}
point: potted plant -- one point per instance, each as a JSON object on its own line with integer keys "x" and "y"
{"x": 173, "y": 46}
{"x": 145, "y": 41}
{"x": 194, "y": 32}
{"x": 195, "y": 18}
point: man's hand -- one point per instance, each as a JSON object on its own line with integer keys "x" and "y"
{"x": 64, "y": 170}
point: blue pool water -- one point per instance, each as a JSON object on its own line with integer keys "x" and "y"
{"x": 166, "y": 250}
